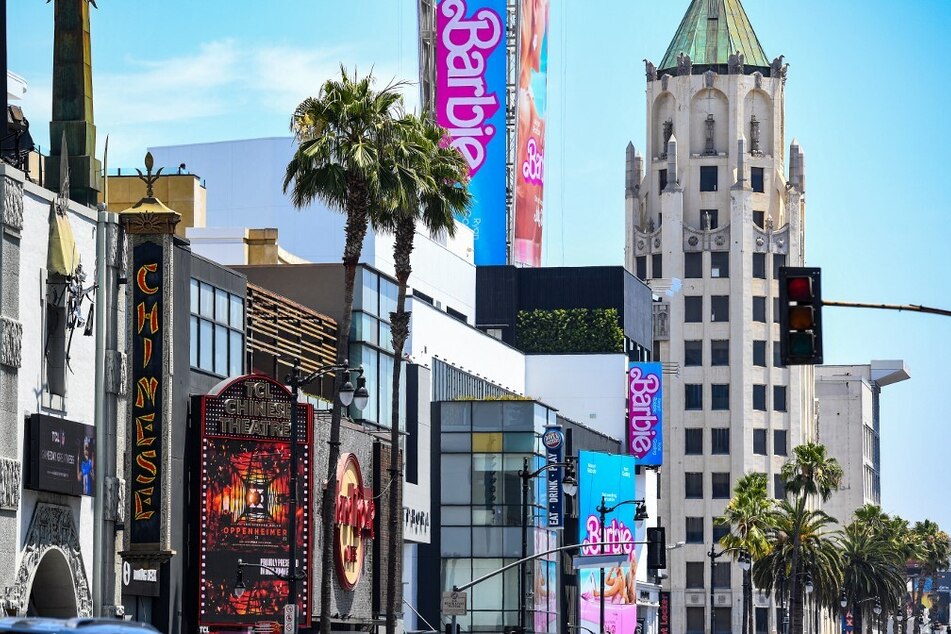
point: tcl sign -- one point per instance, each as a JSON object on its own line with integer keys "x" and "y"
{"x": 354, "y": 521}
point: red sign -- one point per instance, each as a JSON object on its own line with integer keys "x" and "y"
{"x": 663, "y": 613}
{"x": 354, "y": 521}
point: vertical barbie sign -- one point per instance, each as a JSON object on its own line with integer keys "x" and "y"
{"x": 470, "y": 104}
{"x": 645, "y": 413}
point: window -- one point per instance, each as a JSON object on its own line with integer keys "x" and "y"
{"x": 720, "y": 440}
{"x": 719, "y": 264}
{"x": 640, "y": 265}
{"x": 693, "y": 265}
{"x": 779, "y": 442}
{"x": 216, "y": 328}
{"x": 759, "y": 398}
{"x": 695, "y": 575}
{"x": 696, "y": 622}
{"x": 661, "y": 181}
{"x": 777, "y": 358}
{"x": 759, "y": 309}
{"x": 759, "y": 219}
{"x": 719, "y": 352}
{"x": 761, "y": 625}
{"x": 720, "y": 308}
{"x": 693, "y": 353}
{"x": 709, "y": 219}
{"x": 759, "y": 353}
{"x": 759, "y": 442}
{"x": 708, "y": 178}
{"x": 721, "y": 579}
{"x": 693, "y": 396}
{"x": 778, "y": 260}
{"x": 720, "y": 485}
{"x": 757, "y": 179}
{"x": 720, "y": 530}
{"x": 723, "y": 618}
{"x": 779, "y": 398}
{"x": 759, "y": 266}
{"x": 720, "y": 396}
{"x": 693, "y": 308}
{"x": 779, "y": 487}
{"x": 694, "y": 530}
{"x": 775, "y": 310}
{"x": 657, "y": 265}
{"x": 693, "y": 442}
{"x": 693, "y": 486}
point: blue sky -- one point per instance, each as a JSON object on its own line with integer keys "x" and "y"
{"x": 866, "y": 97}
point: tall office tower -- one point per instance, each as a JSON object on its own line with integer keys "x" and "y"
{"x": 712, "y": 213}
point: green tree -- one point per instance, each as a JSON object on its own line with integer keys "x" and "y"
{"x": 433, "y": 190}
{"x": 935, "y": 550}
{"x": 343, "y": 137}
{"x": 873, "y": 567}
{"x": 749, "y": 515}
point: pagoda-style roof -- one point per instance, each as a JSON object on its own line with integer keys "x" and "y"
{"x": 712, "y": 31}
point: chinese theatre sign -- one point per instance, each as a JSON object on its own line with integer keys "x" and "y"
{"x": 353, "y": 521}
{"x": 245, "y": 428}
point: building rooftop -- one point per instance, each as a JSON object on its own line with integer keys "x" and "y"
{"x": 710, "y": 32}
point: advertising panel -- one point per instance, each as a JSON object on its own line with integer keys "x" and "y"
{"x": 245, "y": 484}
{"x": 609, "y": 478}
{"x": 62, "y": 456}
{"x": 355, "y": 512}
{"x": 645, "y": 440}
{"x": 470, "y": 104}
{"x": 663, "y": 614}
{"x": 530, "y": 133}
{"x": 554, "y": 441}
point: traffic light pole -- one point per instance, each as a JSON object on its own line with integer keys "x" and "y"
{"x": 909, "y": 307}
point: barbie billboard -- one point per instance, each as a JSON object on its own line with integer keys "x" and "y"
{"x": 532, "y": 107}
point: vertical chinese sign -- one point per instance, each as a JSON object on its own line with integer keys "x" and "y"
{"x": 245, "y": 487}
{"x": 530, "y": 132}
{"x": 470, "y": 104}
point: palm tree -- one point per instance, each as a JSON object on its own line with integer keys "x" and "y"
{"x": 343, "y": 135}
{"x": 873, "y": 569}
{"x": 810, "y": 473}
{"x": 433, "y": 191}
{"x": 749, "y": 515}
{"x": 935, "y": 553}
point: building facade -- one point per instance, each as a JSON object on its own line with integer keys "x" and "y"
{"x": 712, "y": 212}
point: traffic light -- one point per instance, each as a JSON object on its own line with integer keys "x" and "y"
{"x": 656, "y": 548}
{"x": 800, "y": 315}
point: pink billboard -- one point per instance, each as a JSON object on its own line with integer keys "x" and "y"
{"x": 530, "y": 140}
{"x": 645, "y": 439}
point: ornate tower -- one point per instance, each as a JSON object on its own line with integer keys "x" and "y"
{"x": 715, "y": 217}
{"x": 72, "y": 102}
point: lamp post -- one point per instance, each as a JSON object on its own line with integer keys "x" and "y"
{"x": 570, "y": 488}
{"x": 603, "y": 510}
{"x": 746, "y": 563}
{"x": 876, "y": 609}
{"x": 713, "y": 555}
{"x": 346, "y": 395}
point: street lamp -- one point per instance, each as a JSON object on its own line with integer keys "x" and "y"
{"x": 713, "y": 555}
{"x": 746, "y": 564}
{"x": 570, "y": 487}
{"x": 640, "y": 514}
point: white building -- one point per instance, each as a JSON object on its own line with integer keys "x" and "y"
{"x": 850, "y": 427}
{"x": 711, "y": 209}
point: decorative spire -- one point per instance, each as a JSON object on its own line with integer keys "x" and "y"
{"x": 714, "y": 33}
{"x": 149, "y": 178}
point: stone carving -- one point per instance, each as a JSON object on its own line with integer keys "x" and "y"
{"x": 709, "y": 78}
{"x": 115, "y": 499}
{"x": 684, "y": 65}
{"x": 51, "y": 528}
{"x": 760, "y": 241}
{"x": 9, "y": 484}
{"x": 150, "y": 223}
{"x": 661, "y": 321}
{"x": 11, "y": 342}
{"x": 650, "y": 70}
{"x": 735, "y": 64}
{"x": 693, "y": 241}
{"x": 664, "y": 81}
{"x": 12, "y": 204}
{"x": 640, "y": 244}
{"x": 115, "y": 374}
{"x": 650, "y": 226}
{"x": 758, "y": 79}
{"x": 778, "y": 68}
{"x": 656, "y": 243}
{"x": 754, "y": 136}
{"x": 710, "y": 149}
{"x": 719, "y": 240}
{"x": 769, "y": 224}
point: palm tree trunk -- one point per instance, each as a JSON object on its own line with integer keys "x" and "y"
{"x": 356, "y": 230}
{"x": 399, "y": 328}
{"x": 917, "y": 596}
{"x": 795, "y": 598}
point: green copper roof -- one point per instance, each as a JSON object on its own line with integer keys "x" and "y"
{"x": 711, "y": 31}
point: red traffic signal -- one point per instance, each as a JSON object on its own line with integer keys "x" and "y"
{"x": 800, "y": 315}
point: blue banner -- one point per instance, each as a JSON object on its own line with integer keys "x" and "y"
{"x": 554, "y": 441}
{"x": 645, "y": 413}
{"x": 608, "y": 478}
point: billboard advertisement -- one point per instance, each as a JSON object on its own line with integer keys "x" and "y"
{"x": 610, "y": 478}
{"x": 530, "y": 132}
{"x": 645, "y": 439}
{"x": 470, "y": 104}
{"x": 245, "y": 485}
{"x": 554, "y": 441}
{"x": 62, "y": 456}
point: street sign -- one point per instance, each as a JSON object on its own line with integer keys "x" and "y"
{"x": 290, "y": 618}
{"x": 454, "y": 603}
{"x": 599, "y": 561}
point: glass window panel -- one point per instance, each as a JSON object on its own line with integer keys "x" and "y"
{"x": 456, "y": 474}
{"x": 388, "y": 293}
{"x": 759, "y": 442}
{"x": 456, "y": 416}
{"x": 455, "y": 572}
{"x": 486, "y": 479}
{"x": 193, "y": 296}
{"x": 779, "y": 261}
{"x": 696, "y": 623}
{"x": 708, "y": 178}
{"x": 759, "y": 398}
{"x": 369, "y": 359}
{"x": 720, "y": 484}
{"x": 488, "y": 594}
{"x": 694, "y": 574}
{"x": 221, "y": 306}
{"x": 641, "y": 266}
{"x": 489, "y": 515}
{"x": 693, "y": 308}
{"x": 719, "y": 352}
{"x": 779, "y": 442}
{"x": 510, "y": 578}
{"x": 719, "y": 264}
{"x": 235, "y": 353}
{"x": 518, "y": 416}
{"x": 486, "y": 416}
{"x": 759, "y": 219}
{"x": 364, "y": 329}
{"x": 386, "y": 337}
{"x": 777, "y": 357}
{"x": 512, "y": 540}
{"x": 386, "y": 391}
{"x": 193, "y": 341}
{"x": 206, "y": 301}
{"x": 720, "y": 530}
{"x": 456, "y": 541}
{"x": 456, "y": 442}
{"x": 723, "y": 620}
{"x": 694, "y": 533}
{"x": 369, "y": 298}
{"x": 693, "y": 396}
{"x": 489, "y": 442}
{"x": 693, "y": 265}
{"x": 520, "y": 442}
{"x": 221, "y": 350}
{"x": 759, "y": 309}
{"x": 779, "y": 398}
{"x": 721, "y": 577}
{"x": 657, "y": 265}
{"x": 487, "y": 541}
{"x": 693, "y": 485}
{"x": 456, "y": 516}
{"x": 693, "y": 353}
{"x": 720, "y": 396}
{"x": 486, "y": 620}
{"x": 759, "y": 265}
{"x": 720, "y": 440}
{"x": 206, "y": 339}
{"x": 237, "y": 312}
{"x": 720, "y": 308}
{"x": 693, "y": 442}
{"x": 759, "y": 353}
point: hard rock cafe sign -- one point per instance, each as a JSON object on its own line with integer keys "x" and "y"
{"x": 353, "y": 520}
